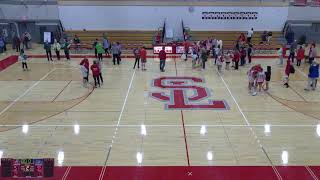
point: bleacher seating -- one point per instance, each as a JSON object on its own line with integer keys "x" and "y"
{"x": 300, "y": 2}
{"x": 229, "y": 38}
{"x": 127, "y": 39}
{"x": 315, "y": 3}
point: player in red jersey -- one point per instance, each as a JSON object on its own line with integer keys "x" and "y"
{"x": 95, "y": 73}
{"x": 143, "y": 56}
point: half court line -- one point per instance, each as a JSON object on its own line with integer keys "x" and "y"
{"x": 117, "y": 126}
{"x": 183, "y": 124}
{"x": 160, "y": 125}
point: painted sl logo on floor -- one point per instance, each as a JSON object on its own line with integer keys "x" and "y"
{"x": 178, "y": 97}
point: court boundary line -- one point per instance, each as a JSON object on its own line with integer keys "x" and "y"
{"x": 274, "y": 98}
{"x": 65, "y": 175}
{"x": 252, "y": 131}
{"x": 161, "y": 125}
{"x": 117, "y": 126}
{"x": 303, "y": 99}
{"x": 26, "y": 92}
{"x": 43, "y": 119}
{"x": 311, "y": 173}
{"x": 61, "y": 91}
{"x": 228, "y": 138}
{"x": 301, "y": 72}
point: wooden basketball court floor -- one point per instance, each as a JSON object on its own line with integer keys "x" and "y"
{"x": 120, "y": 124}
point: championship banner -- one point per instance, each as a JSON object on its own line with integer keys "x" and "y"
{"x": 230, "y": 15}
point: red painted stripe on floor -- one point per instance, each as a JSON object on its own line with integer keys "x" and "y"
{"x": 58, "y": 175}
{"x": 183, "y": 173}
{"x": 294, "y": 173}
{"x": 5, "y": 63}
{"x": 191, "y": 173}
{"x": 185, "y": 138}
{"x": 84, "y": 173}
{"x": 182, "y": 120}
{"x": 150, "y": 56}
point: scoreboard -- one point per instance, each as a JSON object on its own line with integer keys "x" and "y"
{"x": 27, "y": 168}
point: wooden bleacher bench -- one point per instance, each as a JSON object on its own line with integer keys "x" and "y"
{"x": 229, "y": 38}
{"x": 128, "y": 39}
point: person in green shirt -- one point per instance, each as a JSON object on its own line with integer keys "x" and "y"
{"x": 100, "y": 50}
{"x": 66, "y": 48}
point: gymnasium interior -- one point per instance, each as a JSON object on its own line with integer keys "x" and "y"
{"x": 184, "y": 121}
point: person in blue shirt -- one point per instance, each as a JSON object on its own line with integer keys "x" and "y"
{"x": 313, "y": 76}
{"x": 2, "y": 44}
{"x": 106, "y": 45}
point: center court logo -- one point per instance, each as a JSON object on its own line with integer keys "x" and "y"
{"x": 185, "y": 94}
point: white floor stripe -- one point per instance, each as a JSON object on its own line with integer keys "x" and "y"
{"x": 26, "y": 92}
{"x": 103, "y": 170}
{"x": 118, "y": 123}
{"x": 311, "y": 173}
{"x": 304, "y": 74}
{"x": 124, "y": 104}
{"x": 64, "y": 177}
